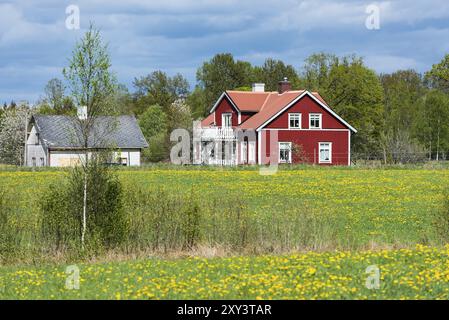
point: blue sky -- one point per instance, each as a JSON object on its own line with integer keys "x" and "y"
{"x": 178, "y": 35}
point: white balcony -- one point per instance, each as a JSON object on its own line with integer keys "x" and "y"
{"x": 217, "y": 133}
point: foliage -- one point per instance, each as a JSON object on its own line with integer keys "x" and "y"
{"x": 438, "y": 76}
{"x": 403, "y": 90}
{"x": 12, "y": 134}
{"x": 154, "y": 125}
{"x": 273, "y": 71}
{"x": 158, "y": 88}
{"x": 222, "y": 73}
{"x": 88, "y": 74}
{"x": 432, "y": 127}
{"x": 62, "y": 206}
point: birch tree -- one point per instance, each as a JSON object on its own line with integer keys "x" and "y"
{"x": 91, "y": 83}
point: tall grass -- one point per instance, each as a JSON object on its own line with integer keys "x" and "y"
{"x": 162, "y": 222}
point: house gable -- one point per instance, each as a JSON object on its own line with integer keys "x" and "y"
{"x": 226, "y": 105}
{"x": 305, "y": 106}
{"x": 317, "y": 105}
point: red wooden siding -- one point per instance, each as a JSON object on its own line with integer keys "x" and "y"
{"x": 305, "y": 106}
{"x": 309, "y": 140}
{"x": 226, "y": 107}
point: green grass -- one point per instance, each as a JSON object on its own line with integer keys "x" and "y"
{"x": 349, "y": 208}
{"x": 301, "y": 209}
{"x": 419, "y": 273}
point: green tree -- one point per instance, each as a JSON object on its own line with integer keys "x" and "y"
{"x": 438, "y": 76}
{"x": 154, "y": 125}
{"x": 273, "y": 71}
{"x": 197, "y": 101}
{"x": 158, "y": 88}
{"x": 91, "y": 82}
{"x": 432, "y": 127}
{"x": 223, "y": 73}
{"x": 316, "y": 71}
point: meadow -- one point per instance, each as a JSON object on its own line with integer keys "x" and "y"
{"x": 301, "y": 233}
{"x": 418, "y": 273}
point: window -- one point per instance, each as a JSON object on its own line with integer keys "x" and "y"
{"x": 325, "y": 154}
{"x": 42, "y": 162}
{"x": 33, "y": 161}
{"x": 315, "y": 121}
{"x": 36, "y": 142}
{"x": 285, "y": 152}
{"x": 226, "y": 120}
{"x": 294, "y": 120}
{"x": 244, "y": 152}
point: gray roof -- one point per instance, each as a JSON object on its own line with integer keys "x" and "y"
{"x": 64, "y": 132}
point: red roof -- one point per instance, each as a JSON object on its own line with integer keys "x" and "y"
{"x": 264, "y": 104}
{"x": 208, "y": 121}
{"x": 248, "y": 101}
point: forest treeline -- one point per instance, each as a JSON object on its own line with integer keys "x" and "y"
{"x": 400, "y": 117}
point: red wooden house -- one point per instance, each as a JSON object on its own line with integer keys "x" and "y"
{"x": 290, "y": 126}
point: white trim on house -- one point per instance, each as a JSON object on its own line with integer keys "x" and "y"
{"x": 320, "y": 120}
{"x": 314, "y": 98}
{"x": 223, "y": 116}
{"x": 349, "y": 148}
{"x": 289, "y": 152}
{"x": 294, "y": 114}
{"x": 259, "y": 145}
{"x": 330, "y": 152}
{"x": 224, "y": 94}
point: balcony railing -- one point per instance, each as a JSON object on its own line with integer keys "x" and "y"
{"x": 218, "y": 133}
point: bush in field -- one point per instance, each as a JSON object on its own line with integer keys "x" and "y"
{"x": 62, "y": 209}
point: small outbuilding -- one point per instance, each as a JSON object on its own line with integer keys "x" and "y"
{"x": 57, "y": 141}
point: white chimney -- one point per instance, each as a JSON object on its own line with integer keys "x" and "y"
{"x": 258, "y": 87}
{"x": 82, "y": 112}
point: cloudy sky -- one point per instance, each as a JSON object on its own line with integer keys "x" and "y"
{"x": 178, "y": 35}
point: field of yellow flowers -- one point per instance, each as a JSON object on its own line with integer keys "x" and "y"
{"x": 418, "y": 273}
{"x": 369, "y": 209}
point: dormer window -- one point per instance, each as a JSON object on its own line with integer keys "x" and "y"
{"x": 315, "y": 121}
{"x": 226, "y": 120}
{"x": 36, "y": 142}
{"x": 294, "y": 121}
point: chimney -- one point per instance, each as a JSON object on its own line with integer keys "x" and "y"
{"x": 82, "y": 112}
{"x": 258, "y": 87}
{"x": 284, "y": 86}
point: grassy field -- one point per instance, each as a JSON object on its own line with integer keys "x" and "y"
{"x": 341, "y": 219}
{"x": 419, "y": 273}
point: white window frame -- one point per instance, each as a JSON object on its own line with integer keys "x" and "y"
{"x": 320, "y": 119}
{"x": 290, "y": 152}
{"x": 223, "y": 122}
{"x": 330, "y": 152}
{"x": 290, "y": 116}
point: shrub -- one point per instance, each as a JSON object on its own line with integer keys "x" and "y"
{"x": 62, "y": 209}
